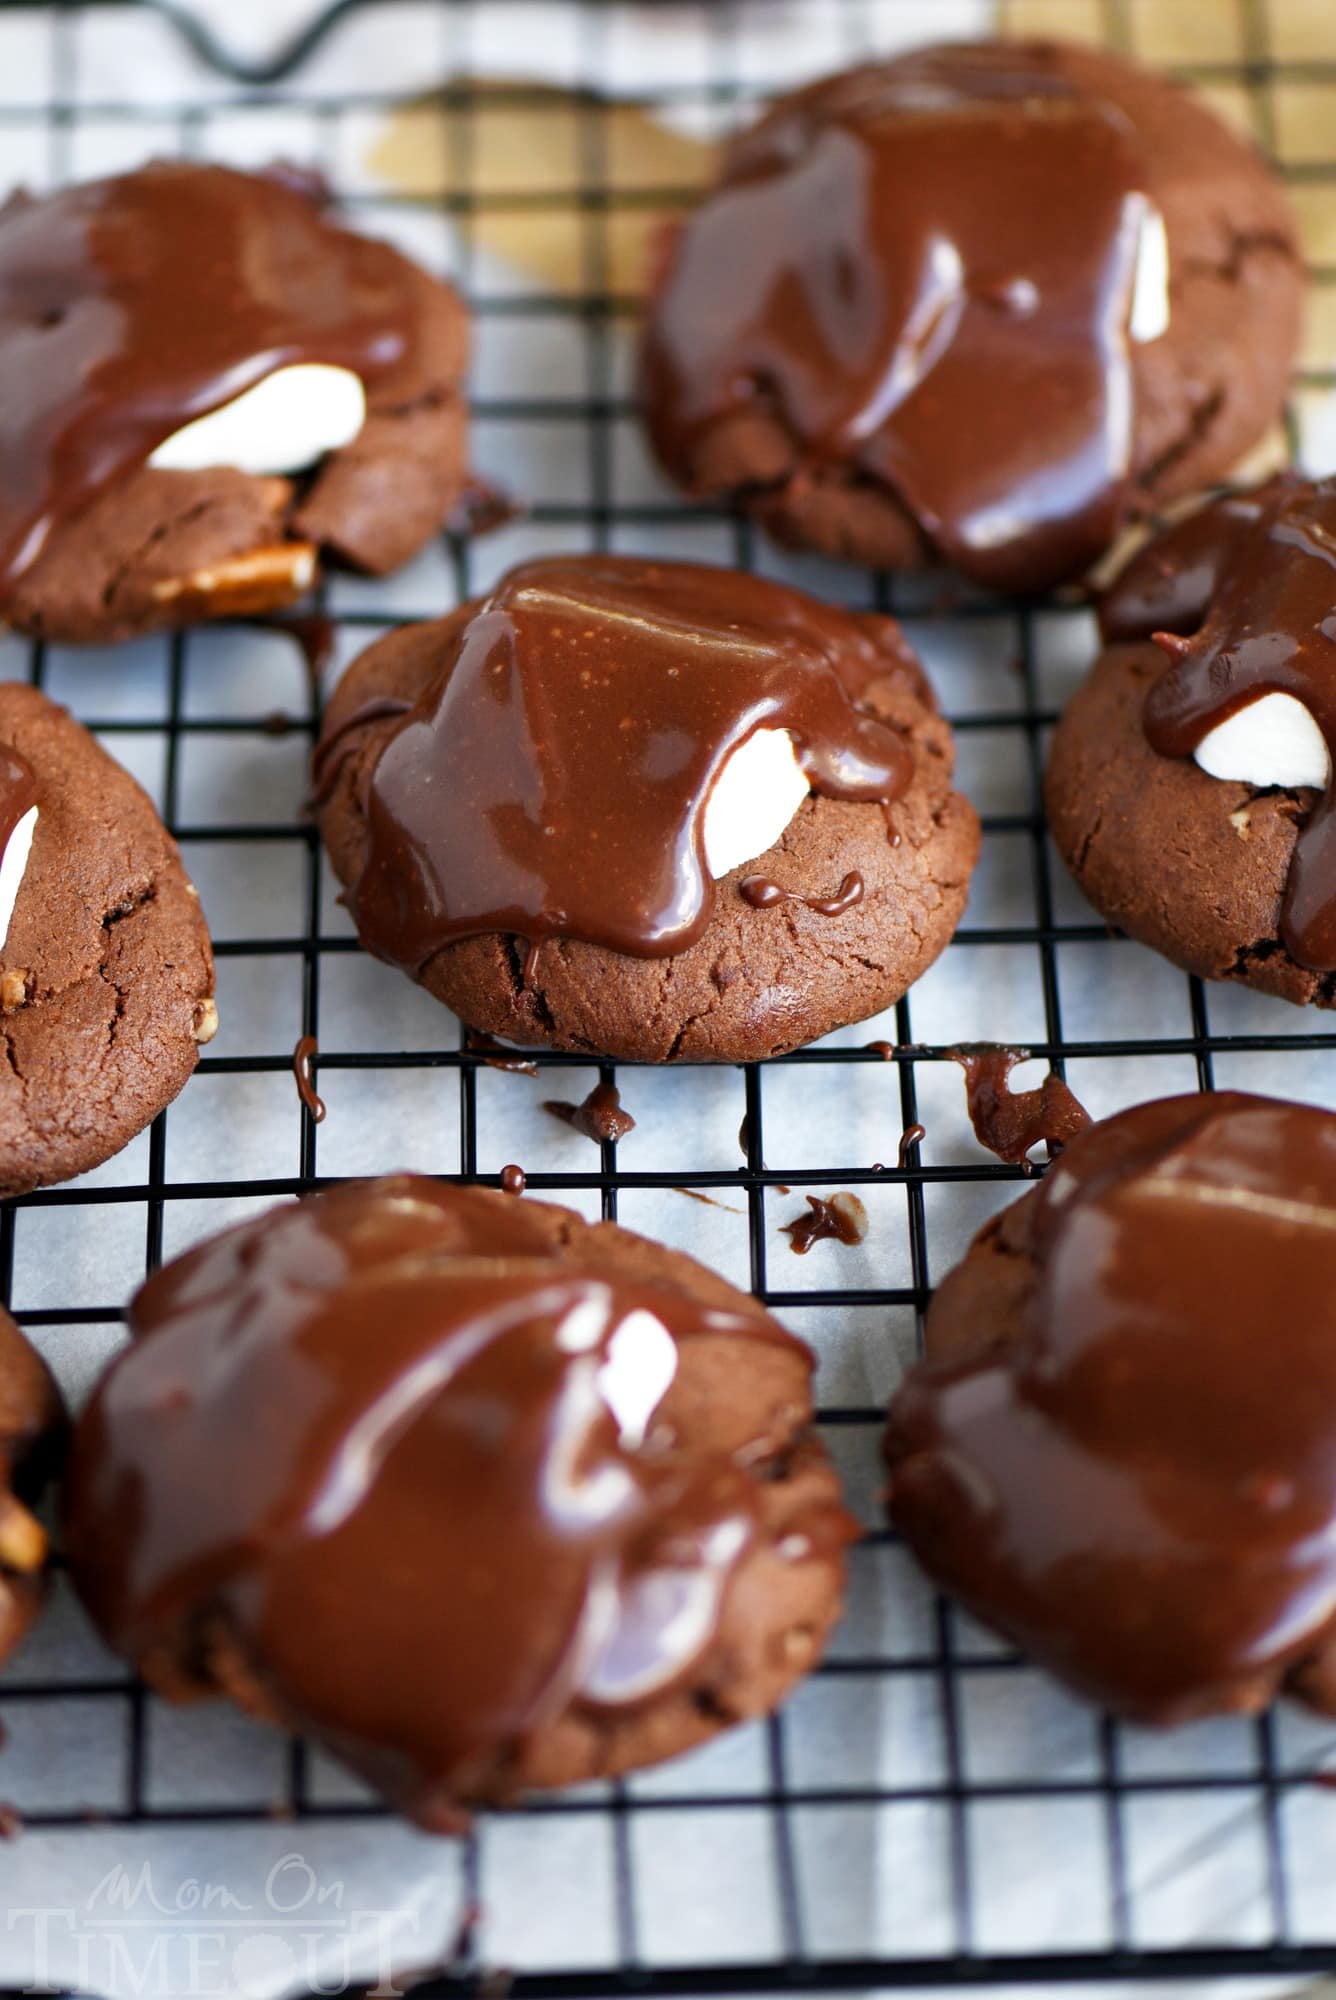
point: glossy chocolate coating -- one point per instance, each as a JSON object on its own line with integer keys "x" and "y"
{"x": 1270, "y": 628}
{"x": 925, "y": 268}
{"x": 1168, "y": 585}
{"x": 553, "y": 780}
{"x": 131, "y": 306}
{"x": 371, "y": 1439}
{"x": 1121, "y": 1451}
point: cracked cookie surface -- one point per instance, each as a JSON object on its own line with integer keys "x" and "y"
{"x": 106, "y": 975}
{"x": 1203, "y": 393}
{"x": 758, "y": 981}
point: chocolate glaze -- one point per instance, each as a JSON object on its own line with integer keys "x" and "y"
{"x": 842, "y": 1219}
{"x": 1270, "y": 628}
{"x": 130, "y": 306}
{"x": 335, "y": 744}
{"x": 307, "y": 1047}
{"x": 389, "y": 1397}
{"x": 1011, "y": 1123}
{"x": 1123, "y": 1454}
{"x": 909, "y": 1138}
{"x": 924, "y": 268}
{"x": 763, "y": 894}
{"x": 1168, "y": 585}
{"x": 599, "y": 1117}
{"x": 553, "y": 779}
{"x": 514, "y": 1180}
{"x": 477, "y": 1043}
{"x": 18, "y": 791}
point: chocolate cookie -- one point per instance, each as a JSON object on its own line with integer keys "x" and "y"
{"x": 980, "y": 303}
{"x": 1118, "y": 1449}
{"x": 211, "y": 389}
{"x": 649, "y": 810}
{"x": 106, "y": 976}
{"x": 484, "y": 1496}
{"x": 1187, "y": 782}
{"x": 32, "y": 1426}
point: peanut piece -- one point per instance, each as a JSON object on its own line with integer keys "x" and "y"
{"x": 260, "y": 580}
{"x": 22, "y": 1538}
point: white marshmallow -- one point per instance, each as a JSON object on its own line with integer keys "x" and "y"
{"x": 635, "y": 1378}
{"x": 1150, "y": 287}
{"x": 13, "y": 866}
{"x": 286, "y": 422}
{"x": 1273, "y": 741}
{"x": 755, "y": 796}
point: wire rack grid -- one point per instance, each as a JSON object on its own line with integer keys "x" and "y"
{"x": 928, "y": 1810}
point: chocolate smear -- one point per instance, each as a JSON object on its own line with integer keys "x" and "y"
{"x": 840, "y": 1218}
{"x": 1011, "y": 1123}
{"x": 301, "y": 1070}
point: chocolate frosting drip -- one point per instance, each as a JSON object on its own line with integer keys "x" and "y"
{"x": 553, "y": 780}
{"x": 925, "y": 268}
{"x": 1138, "y": 1484}
{"x": 497, "y": 1055}
{"x": 18, "y": 792}
{"x": 393, "y": 1447}
{"x": 763, "y": 894}
{"x": 130, "y": 306}
{"x": 302, "y": 1055}
{"x": 601, "y": 1116}
{"x": 1270, "y": 629}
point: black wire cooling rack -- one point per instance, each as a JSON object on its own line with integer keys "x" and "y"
{"x": 1144, "y": 1816}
